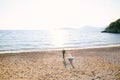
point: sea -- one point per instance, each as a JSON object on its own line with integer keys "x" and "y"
{"x": 60, "y": 38}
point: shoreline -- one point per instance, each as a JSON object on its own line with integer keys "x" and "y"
{"x": 59, "y": 49}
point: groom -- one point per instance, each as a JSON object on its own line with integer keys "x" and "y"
{"x": 64, "y": 61}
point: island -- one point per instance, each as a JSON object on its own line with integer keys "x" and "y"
{"x": 114, "y": 27}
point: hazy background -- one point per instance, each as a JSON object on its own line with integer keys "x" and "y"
{"x": 39, "y": 14}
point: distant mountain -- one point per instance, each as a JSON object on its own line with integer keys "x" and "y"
{"x": 85, "y": 28}
{"x": 114, "y": 27}
{"x": 90, "y": 28}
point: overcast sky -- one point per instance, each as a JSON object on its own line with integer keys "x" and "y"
{"x": 37, "y": 14}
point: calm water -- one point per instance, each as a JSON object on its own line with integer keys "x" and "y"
{"x": 23, "y": 40}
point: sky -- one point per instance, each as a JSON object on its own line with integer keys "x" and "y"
{"x": 38, "y": 14}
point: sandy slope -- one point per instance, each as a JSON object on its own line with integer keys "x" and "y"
{"x": 90, "y": 64}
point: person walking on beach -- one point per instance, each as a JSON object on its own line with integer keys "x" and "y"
{"x": 63, "y": 51}
{"x": 70, "y": 58}
{"x": 64, "y": 61}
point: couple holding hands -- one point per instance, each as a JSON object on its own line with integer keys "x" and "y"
{"x": 70, "y": 58}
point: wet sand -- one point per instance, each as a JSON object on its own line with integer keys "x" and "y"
{"x": 90, "y": 64}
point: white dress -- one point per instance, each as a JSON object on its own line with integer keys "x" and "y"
{"x": 70, "y": 57}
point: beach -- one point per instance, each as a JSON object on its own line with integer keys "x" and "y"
{"x": 101, "y": 63}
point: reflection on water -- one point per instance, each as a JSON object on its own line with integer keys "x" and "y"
{"x": 57, "y": 38}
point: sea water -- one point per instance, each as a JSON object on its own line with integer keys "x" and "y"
{"x": 44, "y": 39}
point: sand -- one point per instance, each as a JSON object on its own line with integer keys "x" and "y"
{"x": 90, "y": 64}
